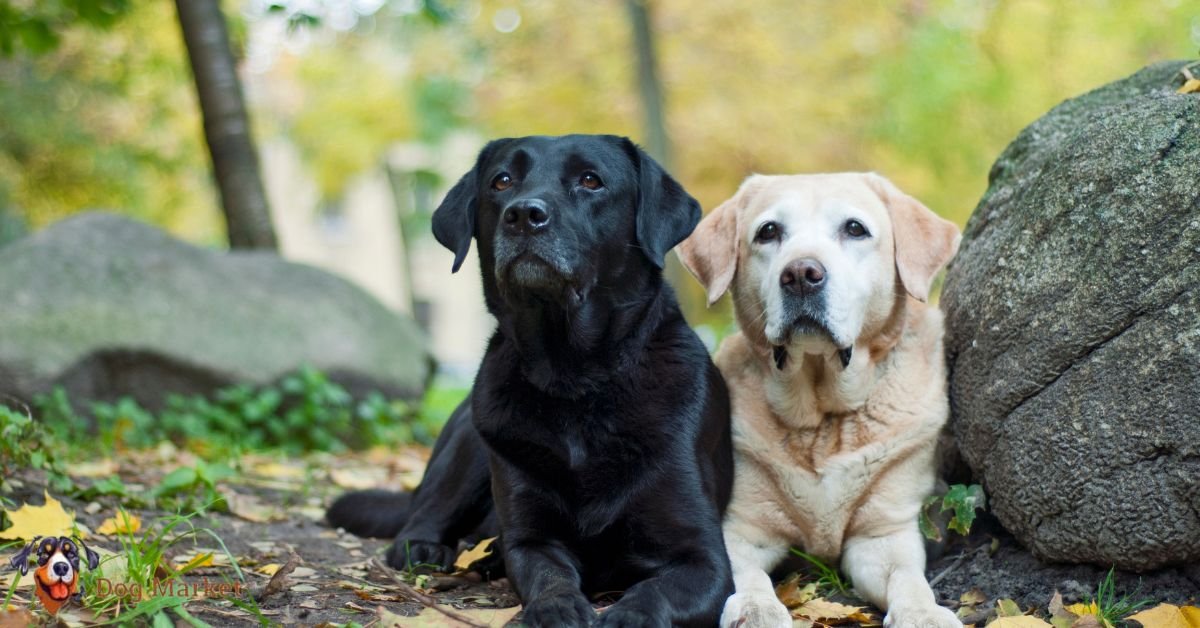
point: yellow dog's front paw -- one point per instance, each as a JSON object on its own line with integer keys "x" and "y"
{"x": 755, "y": 610}
{"x": 921, "y": 617}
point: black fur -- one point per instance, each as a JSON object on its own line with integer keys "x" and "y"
{"x": 597, "y": 418}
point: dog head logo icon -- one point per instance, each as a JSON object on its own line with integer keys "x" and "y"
{"x": 56, "y": 578}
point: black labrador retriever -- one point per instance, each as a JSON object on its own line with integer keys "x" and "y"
{"x": 597, "y": 419}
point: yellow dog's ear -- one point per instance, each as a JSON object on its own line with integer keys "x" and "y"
{"x": 711, "y": 252}
{"x": 924, "y": 241}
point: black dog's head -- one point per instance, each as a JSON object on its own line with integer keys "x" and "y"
{"x": 557, "y": 217}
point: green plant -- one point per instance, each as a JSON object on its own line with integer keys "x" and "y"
{"x": 124, "y": 424}
{"x": 829, "y": 579}
{"x": 305, "y": 411}
{"x": 960, "y": 499}
{"x": 1110, "y": 609}
{"x": 143, "y": 567}
{"x": 24, "y": 443}
{"x": 193, "y": 487}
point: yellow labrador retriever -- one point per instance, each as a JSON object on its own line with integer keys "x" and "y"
{"x": 837, "y": 383}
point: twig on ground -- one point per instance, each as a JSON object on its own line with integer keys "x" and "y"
{"x": 423, "y": 599}
{"x": 951, "y": 567}
{"x": 443, "y": 583}
{"x": 279, "y": 580}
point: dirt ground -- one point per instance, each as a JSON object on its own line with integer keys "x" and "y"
{"x": 276, "y": 511}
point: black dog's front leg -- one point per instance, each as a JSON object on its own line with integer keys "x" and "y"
{"x": 453, "y": 499}
{"x": 546, "y": 575}
{"x": 686, "y": 594}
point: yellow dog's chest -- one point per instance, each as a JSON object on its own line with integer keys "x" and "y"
{"x": 821, "y": 475}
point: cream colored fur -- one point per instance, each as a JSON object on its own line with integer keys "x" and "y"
{"x": 834, "y": 459}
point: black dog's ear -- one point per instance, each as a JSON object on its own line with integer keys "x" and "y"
{"x": 666, "y": 213}
{"x": 93, "y": 559}
{"x": 454, "y": 219}
{"x": 21, "y": 560}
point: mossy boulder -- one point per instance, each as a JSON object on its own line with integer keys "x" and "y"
{"x": 109, "y": 307}
{"x": 1073, "y": 328}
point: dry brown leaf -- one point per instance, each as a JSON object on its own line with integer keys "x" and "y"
{"x": 972, "y": 597}
{"x": 1019, "y": 621}
{"x": 19, "y": 618}
{"x": 1168, "y": 616}
{"x": 48, "y": 519}
{"x": 357, "y": 479}
{"x": 251, "y": 508}
{"x": 482, "y": 550}
{"x": 278, "y": 579}
{"x": 792, "y": 594}
{"x": 1060, "y": 617}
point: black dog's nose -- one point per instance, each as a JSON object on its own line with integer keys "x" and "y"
{"x": 61, "y": 569}
{"x": 527, "y": 216}
{"x": 803, "y": 277}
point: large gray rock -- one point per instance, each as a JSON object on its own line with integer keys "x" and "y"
{"x": 1073, "y": 314}
{"x": 107, "y": 307}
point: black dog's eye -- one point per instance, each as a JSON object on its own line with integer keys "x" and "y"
{"x": 502, "y": 182}
{"x": 768, "y": 232}
{"x": 591, "y": 181}
{"x": 855, "y": 229}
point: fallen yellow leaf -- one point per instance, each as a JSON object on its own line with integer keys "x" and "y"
{"x": 831, "y": 613}
{"x": 33, "y": 521}
{"x": 268, "y": 569}
{"x": 1168, "y": 616}
{"x": 432, "y": 618}
{"x": 197, "y": 561}
{"x": 94, "y": 469}
{"x": 482, "y": 550}
{"x": 1083, "y": 609}
{"x": 123, "y": 523}
{"x": 1019, "y": 621}
{"x": 279, "y": 471}
{"x": 1008, "y": 608}
{"x": 357, "y": 479}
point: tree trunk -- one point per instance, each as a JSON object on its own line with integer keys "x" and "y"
{"x": 226, "y": 126}
{"x": 649, "y": 87}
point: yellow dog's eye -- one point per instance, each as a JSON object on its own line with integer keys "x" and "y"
{"x": 855, "y": 229}
{"x": 502, "y": 182}
{"x": 769, "y": 231}
{"x": 591, "y": 181}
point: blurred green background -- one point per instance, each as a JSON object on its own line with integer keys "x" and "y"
{"x": 98, "y": 110}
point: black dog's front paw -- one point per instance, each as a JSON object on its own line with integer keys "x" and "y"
{"x": 407, "y": 554}
{"x": 625, "y": 616}
{"x": 563, "y": 609}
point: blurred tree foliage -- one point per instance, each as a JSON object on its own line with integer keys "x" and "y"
{"x": 926, "y": 92}
{"x": 36, "y": 25}
{"x": 102, "y": 116}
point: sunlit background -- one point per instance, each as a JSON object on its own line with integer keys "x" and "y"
{"x": 365, "y": 111}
